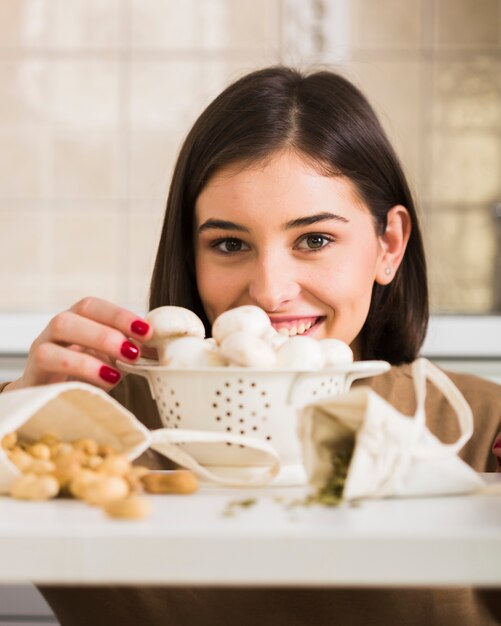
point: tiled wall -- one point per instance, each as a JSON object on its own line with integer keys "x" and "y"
{"x": 96, "y": 96}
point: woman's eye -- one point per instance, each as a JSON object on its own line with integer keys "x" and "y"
{"x": 228, "y": 246}
{"x": 314, "y": 242}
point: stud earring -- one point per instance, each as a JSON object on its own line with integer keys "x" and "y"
{"x": 387, "y": 270}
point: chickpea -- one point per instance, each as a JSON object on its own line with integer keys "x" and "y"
{"x": 33, "y": 487}
{"x": 177, "y": 481}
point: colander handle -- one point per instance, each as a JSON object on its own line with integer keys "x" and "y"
{"x": 166, "y": 440}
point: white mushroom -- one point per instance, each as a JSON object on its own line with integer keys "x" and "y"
{"x": 274, "y": 338}
{"x": 247, "y": 350}
{"x": 193, "y": 352}
{"x": 169, "y": 323}
{"x": 302, "y": 353}
{"x": 335, "y": 352}
{"x": 249, "y": 319}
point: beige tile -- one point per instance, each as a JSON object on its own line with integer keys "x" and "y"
{"x": 84, "y": 93}
{"x": 467, "y": 23}
{"x": 169, "y": 95}
{"x": 21, "y": 164}
{"x": 394, "y": 90}
{"x": 85, "y": 165}
{"x": 386, "y": 24}
{"x": 87, "y": 254}
{"x": 467, "y": 94}
{"x": 23, "y": 23}
{"x": 85, "y": 23}
{"x": 61, "y": 24}
{"x": 461, "y": 249}
{"x": 152, "y": 159}
{"x": 21, "y": 247}
{"x": 24, "y": 92}
{"x": 145, "y": 224}
{"x": 465, "y": 167}
{"x": 23, "y": 259}
{"x": 211, "y": 24}
{"x": 27, "y": 293}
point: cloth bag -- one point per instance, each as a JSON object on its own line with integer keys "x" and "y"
{"x": 74, "y": 410}
{"x": 393, "y": 454}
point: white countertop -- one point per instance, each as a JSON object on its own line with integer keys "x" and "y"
{"x": 189, "y": 540}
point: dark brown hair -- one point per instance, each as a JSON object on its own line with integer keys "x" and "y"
{"x": 327, "y": 119}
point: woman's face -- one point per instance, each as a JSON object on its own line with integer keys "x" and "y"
{"x": 297, "y": 244}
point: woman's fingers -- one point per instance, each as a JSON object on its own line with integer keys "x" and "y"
{"x": 69, "y": 363}
{"x": 70, "y": 328}
{"x": 496, "y": 448}
{"x": 111, "y": 315}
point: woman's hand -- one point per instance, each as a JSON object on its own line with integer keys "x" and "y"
{"x": 496, "y": 448}
{"x": 83, "y": 343}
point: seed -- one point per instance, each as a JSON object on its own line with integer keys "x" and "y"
{"x": 21, "y": 459}
{"x": 9, "y": 441}
{"x": 33, "y": 487}
{"x": 177, "y": 481}
{"x": 89, "y": 446}
{"x": 106, "y": 489}
{"x": 39, "y": 451}
{"x": 117, "y": 465}
{"x": 131, "y": 507}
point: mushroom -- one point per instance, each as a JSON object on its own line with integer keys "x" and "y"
{"x": 302, "y": 353}
{"x": 247, "y": 350}
{"x": 169, "y": 323}
{"x": 335, "y": 352}
{"x": 274, "y": 338}
{"x": 249, "y": 319}
{"x": 193, "y": 352}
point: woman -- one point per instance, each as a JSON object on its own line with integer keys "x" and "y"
{"x": 286, "y": 195}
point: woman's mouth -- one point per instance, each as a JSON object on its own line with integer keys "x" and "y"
{"x": 292, "y": 326}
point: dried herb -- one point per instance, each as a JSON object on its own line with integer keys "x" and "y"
{"x": 233, "y": 505}
{"x": 331, "y": 494}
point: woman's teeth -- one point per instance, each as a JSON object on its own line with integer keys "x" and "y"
{"x": 292, "y": 331}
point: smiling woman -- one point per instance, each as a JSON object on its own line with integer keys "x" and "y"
{"x": 286, "y": 195}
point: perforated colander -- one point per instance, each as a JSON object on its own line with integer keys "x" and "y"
{"x": 240, "y": 407}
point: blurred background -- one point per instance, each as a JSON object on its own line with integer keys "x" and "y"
{"x": 97, "y": 95}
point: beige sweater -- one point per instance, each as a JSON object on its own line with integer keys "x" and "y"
{"x": 105, "y": 606}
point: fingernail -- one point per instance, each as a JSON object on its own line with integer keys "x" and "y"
{"x": 139, "y": 327}
{"x": 129, "y": 350}
{"x": 497, "y": 445}
{"x": 109, "y": 374}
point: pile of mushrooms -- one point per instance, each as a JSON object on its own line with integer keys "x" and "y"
{"x": 242, "y": 336}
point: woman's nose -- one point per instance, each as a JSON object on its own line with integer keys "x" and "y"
{"x": 272, "y": 284}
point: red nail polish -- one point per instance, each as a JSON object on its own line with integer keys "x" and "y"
{"x": 109, "y": 374}
{"x": 129, "y": 350}
{"x": 139, "y": 327}
{"x": 497, "y": 445}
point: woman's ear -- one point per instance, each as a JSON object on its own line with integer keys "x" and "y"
{"x": 393, "y": 243}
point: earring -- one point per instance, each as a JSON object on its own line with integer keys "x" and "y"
{"x": 387, "y": 270}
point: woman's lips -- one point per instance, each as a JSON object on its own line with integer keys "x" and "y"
{"x": 291, "y": 326}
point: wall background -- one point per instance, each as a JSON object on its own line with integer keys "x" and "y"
{"x": 96, "y": 96}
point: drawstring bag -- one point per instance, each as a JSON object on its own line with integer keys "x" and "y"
{"x": 74, "y": 410}
{"x": 387, "y": 453}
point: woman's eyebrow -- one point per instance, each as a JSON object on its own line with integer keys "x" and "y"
{"x": 222, "y": 225}
{"x": 308, "y": 220}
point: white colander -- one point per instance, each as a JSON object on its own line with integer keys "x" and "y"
{"x": 236, "y": 425}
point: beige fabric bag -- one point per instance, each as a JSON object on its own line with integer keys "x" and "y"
{"x": 74, "y": 410}
{"x": 394, "y": 454}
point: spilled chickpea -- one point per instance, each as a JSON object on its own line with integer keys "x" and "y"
{"x": 88, "y": 471}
